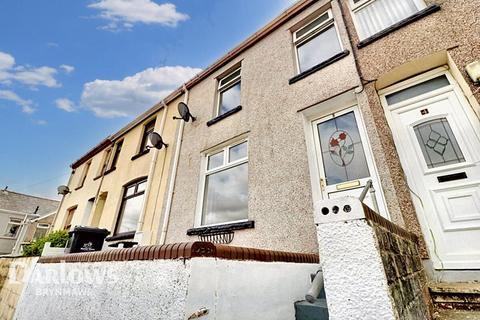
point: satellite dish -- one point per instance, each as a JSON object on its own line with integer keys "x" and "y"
{"x": 63, "y": 190}
{"x": 156, "y": 141}
{"x": 184, "y": 112}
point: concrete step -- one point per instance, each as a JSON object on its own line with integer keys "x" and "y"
{"x": 464, "y": 296}
{"x": 305, "y": 310}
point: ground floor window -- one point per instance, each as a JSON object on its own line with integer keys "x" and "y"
{"x": 131, "y": 208}
{"x": 225, "y": 189}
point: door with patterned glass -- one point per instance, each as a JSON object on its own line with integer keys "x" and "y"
{"x": 344, "y": 158}
{"x": 438, "y": 141}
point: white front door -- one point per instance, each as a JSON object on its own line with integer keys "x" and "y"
{"x": 437, "y": 136}
{"x": 344, "y": 158}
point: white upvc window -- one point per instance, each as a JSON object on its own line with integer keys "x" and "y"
{"x": 372, "y": 16}
{"x": 224, "y": 185}
{"x": 41, "y": 230}
{"x": 13, "y": 226}
{"x": 229, "y": 89}
{"x": 316, "y": 42}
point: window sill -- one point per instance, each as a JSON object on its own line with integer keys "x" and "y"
{"x": 319, "y": 66}
{"x": 223, "y": 116}
{"x": 416, "y": 16}
{"x": 78, "y": 188}
{"x": 138, "y": 155}
{"x": 109, "y": 170}
{"x": 97, "y": 177}
{"x": 121, "y": 236}
{"x": 223, "y": 227}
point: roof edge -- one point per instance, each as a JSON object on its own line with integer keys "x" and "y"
{"x": 99, "y": 147}
{"x": 286, "y": 15}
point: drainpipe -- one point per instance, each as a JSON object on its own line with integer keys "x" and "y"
{"x": 168, "y": 206}
{"x": 354, "y": 52}
{"x": 151, "y": 172}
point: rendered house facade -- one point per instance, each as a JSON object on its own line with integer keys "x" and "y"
{"x": 109, "y": 186}
{"x": 329, "y": 95}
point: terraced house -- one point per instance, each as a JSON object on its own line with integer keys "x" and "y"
{"x": 328, "y": 97}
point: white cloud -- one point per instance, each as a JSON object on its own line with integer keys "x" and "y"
{"x": 65, "y": 104}
{"x": 42, "y": 76}
{"x": 125, "y": 13}
{"x": 41, "y": 122}
{"x": 67, "y": 68}
{"x": 31, "y": 76}
{"x": 6, "y": 61}
{"x": 12, "y": 96}
{"x": 134, "y": 94}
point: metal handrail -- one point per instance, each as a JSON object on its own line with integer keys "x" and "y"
{"x": 369, "y": 186}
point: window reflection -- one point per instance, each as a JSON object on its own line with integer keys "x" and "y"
{"x": 230, "y": 98}
{"x": 226, "y": 196}
{"x": 237, "y": 152}
{"x": 318, "y": 49}
{"x": 131, "y": 207}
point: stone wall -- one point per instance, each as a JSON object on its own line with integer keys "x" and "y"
{"x": 14, "y": 274}
{"x": 403, "y": 266}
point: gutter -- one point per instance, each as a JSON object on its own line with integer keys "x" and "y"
{"x": 168, "y": 206}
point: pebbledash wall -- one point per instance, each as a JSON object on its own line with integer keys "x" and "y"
{"x": 279, "y": 187}
{"x": 168, "y": 282}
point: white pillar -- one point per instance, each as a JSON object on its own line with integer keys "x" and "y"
{"x": 355, "y": 281}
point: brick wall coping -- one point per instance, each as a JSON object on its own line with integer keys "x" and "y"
{"x": 186, "y": 250}
{"x": 374, "y": 217}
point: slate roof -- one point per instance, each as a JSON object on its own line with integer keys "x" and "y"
{"x": 10, "y": 200}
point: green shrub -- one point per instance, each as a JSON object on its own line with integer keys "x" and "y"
{"x": 57, "y": 239}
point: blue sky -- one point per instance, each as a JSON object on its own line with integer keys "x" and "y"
{"x": 73, "y": 72}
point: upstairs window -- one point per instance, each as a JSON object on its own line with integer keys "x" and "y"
{"x": 225, "y": 190}
{"x": 149, "y": 127}
{"x": 132, "y": 203}
{"x": 13, "y": 227}
{"x": 316, "y": 42}
{"x": 229, "y": 88}
{"x": 372, "y": 16}
{"x": 116, "y": 155}
{"x": 105, "y": 159}
{"x": 84, "y": 174}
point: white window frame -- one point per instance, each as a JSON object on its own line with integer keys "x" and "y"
{"x": 222, "y": 87}
{"x": 297, "y": 41}
{"x": 355, "y": 7}
{"x": 41, "y": 226}
{"x": 11, "y": 223}
{"x": 205, "y": 172}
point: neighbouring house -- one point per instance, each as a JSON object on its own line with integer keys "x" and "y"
{"x": 328, "y": 97}
{"x": 17, "y": 210}
{"x": 109, "y": 186}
